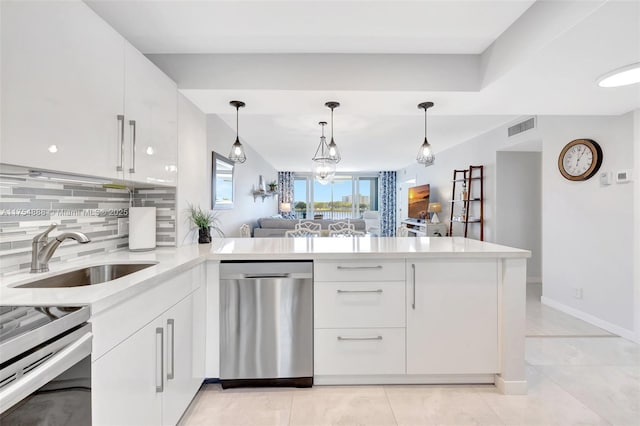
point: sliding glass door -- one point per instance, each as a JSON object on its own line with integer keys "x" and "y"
{"x": 346, "y": 197}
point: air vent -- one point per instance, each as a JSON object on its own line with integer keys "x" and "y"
{"x": 522, "y": 126}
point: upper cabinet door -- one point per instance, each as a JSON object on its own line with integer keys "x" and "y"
{"x": 151, "y": 111}
{"x": 62, "y": 88}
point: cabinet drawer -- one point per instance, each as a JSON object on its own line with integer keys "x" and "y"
{"x": 359, "y": 351}
{"x": 362, "y": 270}
{"x": 348, "y": 304}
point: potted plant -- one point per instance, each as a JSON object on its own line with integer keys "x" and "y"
{"x": 205, "y": 221}
{"x": 273, "y": 185}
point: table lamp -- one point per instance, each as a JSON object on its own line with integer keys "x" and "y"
{"x": 434, "y": 208}
{"x": 285, "y": 207}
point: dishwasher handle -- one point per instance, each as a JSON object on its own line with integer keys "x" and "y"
{"x": 259, "y": 276}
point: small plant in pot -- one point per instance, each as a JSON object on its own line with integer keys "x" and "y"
{"x": 273, "y": 186}
{"x": 204, "y": 221}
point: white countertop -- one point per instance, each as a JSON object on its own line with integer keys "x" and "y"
{"x": 172, "y": 261}
{"x": 358, "y": 247}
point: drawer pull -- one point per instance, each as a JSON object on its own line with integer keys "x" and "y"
{"x": 359, "y": 267}
{"x": 360, "y": 338}
{"x": 379, "y": 291}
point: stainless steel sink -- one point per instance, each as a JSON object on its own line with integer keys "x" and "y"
{"x": 87, "y": 276}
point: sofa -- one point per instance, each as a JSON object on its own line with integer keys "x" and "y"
{"x": 276, "y": 227}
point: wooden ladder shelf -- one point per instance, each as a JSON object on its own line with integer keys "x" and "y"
{"x": 470, "y": 195}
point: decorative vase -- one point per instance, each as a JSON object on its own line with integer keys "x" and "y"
{"x": 204, "y": 235}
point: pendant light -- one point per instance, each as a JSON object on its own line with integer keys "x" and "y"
{"x": 324, "y": 168}
{"x": 334, "y": 153}
{"x": 237, "y": 154}
{"x": 425, "y": 154}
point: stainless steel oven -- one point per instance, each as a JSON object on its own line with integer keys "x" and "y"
{"x": 45, "y": 366}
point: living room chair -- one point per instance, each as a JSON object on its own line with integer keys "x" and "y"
{"x": 402, "y": 231}
{"x": 346, "y": 232}
{"x": 311, "y": 226}
{"x": 245, "y": 231}
{"x": 339, "y": 226}
{"x": 304, "y": 233}
{"x": 372, "y": 222}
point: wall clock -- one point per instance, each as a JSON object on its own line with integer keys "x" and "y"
{"x": 580, "y": 159}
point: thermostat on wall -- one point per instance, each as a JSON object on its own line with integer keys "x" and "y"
{"x": 606, "y": 178}
{"x": 623, "y": 176}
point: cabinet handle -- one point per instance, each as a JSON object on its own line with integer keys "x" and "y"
{"x": 359, "y": 291}
{"x": 360, "y": 267}
{"x": 119, "y": 167}
{"x": 132, "y": 124}
{"x": 413, "y": 303}
{"x": 359, "y": 338}
{"x": 171, "y": 344}
{"x": 160, "y": 387}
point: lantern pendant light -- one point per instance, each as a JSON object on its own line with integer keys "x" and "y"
{"x": 237, "y": 154}
{"x": 425, "y": 154}
{"x": 334, "y": 153}
{"x": 324, "y": 168}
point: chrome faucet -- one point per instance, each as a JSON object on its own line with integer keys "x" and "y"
{"x": 42, "y": 249}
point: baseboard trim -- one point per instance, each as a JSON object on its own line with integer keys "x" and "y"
{"x": 511, "y": 387}
{"x": 404, "y": 379}
{"x": 605, "y": 325}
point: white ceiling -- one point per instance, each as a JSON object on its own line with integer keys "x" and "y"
{"x": 418, "y": 26}
{"x": 546, "y": 62}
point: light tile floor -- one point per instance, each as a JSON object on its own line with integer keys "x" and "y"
{"x": 578, "y": 374}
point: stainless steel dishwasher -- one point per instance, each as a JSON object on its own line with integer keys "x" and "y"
{"x": 266, "y": 324}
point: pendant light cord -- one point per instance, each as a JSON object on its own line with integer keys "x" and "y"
{"x": 237, "y": 115}
{"x": 425, "y": 123}
{"x": 331, "y": 124}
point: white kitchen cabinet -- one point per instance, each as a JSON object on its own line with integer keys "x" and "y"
{"x": 452, "y": 316}
{"x": 62, "y": 86}
{"x": 151, "y": 119}
{"x": 124, "y": 381}
{"x": 150, "y": 377}
{"x": 70, "y": 81}
{"x": 359, "y": 351}
{"x": 184, "y": 366}
{"x": 359, "y": 319}
{"x": 358, "y": 304}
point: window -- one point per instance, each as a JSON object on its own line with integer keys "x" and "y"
{"x": 300, "y": 198}
{"x": 347, "y": 197}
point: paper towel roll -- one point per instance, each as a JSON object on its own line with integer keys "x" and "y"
{"x": 142, "y": 228}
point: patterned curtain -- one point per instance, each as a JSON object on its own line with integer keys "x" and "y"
{"x": 285, "y": 191}
{"x": 387, "y": 203}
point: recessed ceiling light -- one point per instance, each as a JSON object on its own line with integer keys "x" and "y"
{"x": 150, "y": 150}
{"x": 53, "y": 149}
{"x": 624, "y": 76}
{"x": 171, "y": 168}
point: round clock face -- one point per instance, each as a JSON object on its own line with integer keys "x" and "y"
{"x": 580, "y": 159}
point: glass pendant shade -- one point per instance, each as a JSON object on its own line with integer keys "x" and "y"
{"x": 237, "y": 154}
{"x": 425, "y": 153}
{"x": 324, "y": 168}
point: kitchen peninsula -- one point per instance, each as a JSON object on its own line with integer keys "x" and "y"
{"x": 442, "y": 310}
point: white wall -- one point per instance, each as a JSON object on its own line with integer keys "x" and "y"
{"x": 220, "y": 137}
{"x": 192, "y": 167}
{"x": 480, "y": 150}
{"x": 636, "y": 218}
{"x": 518, "y": 205}
{"x": 588, "y": 228}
